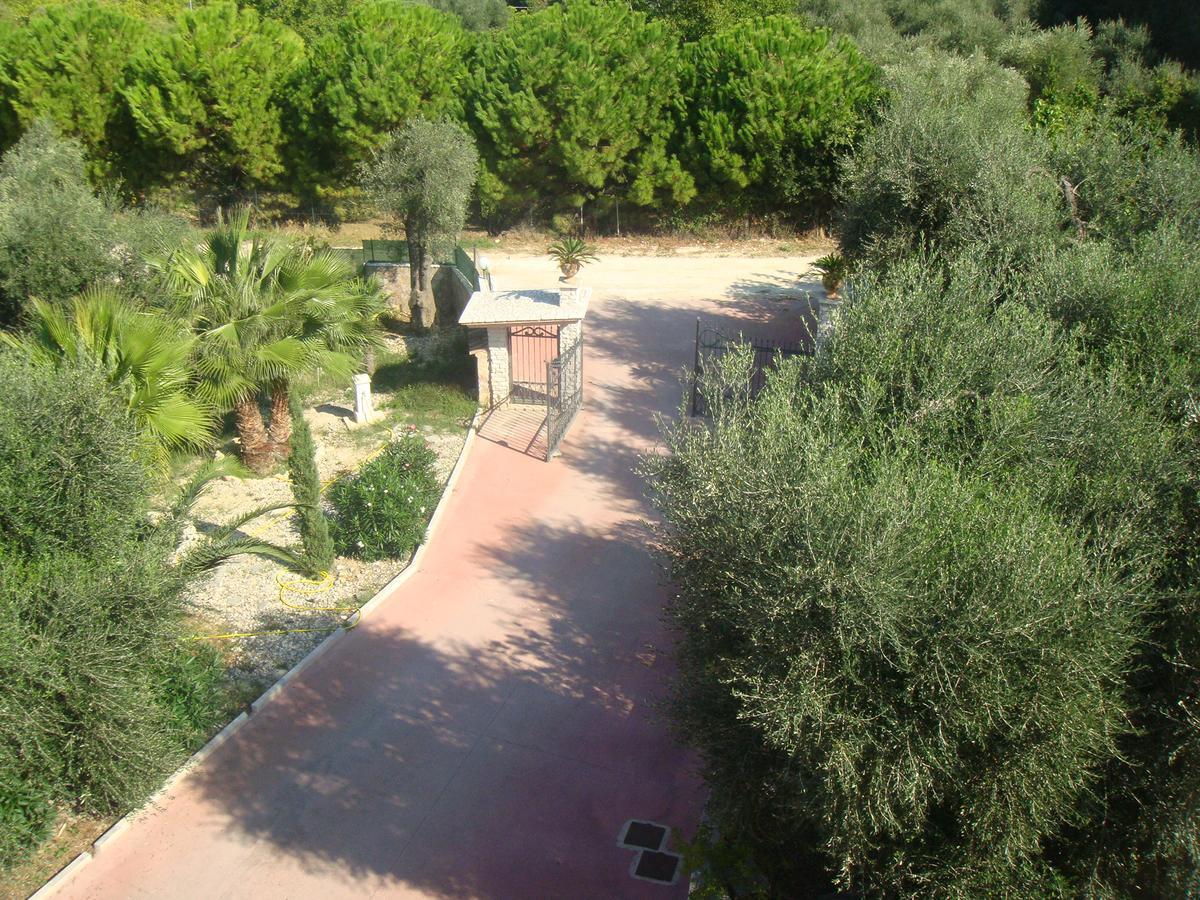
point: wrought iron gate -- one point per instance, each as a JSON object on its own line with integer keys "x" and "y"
{"x": 530, "y": 350}
{"x": 564, "y": 392}
{"x": 712, "y": 344}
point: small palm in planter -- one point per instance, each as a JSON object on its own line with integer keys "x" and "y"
{"x": 833, "y": 269}
{"x": 571, "y": 254}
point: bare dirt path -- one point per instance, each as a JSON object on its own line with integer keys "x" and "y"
{"x": 488, "y": 730}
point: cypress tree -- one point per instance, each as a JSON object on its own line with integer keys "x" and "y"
{"x": 306, "y": 489}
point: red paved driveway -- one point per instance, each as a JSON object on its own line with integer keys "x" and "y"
{"x": 488, "y": 729}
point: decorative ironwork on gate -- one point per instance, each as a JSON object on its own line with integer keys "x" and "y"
{"x": 711, "y": 344}
{"x": 564, "y": 393}
{"x": 530, "y": 349}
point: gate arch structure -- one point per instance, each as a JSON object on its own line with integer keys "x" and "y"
{"x": 529, "y": 354}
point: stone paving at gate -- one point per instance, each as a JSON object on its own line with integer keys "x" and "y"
{"x": 491, "y": 729}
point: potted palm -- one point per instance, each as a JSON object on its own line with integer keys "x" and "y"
{"x": 833, "y": 269}
{"x": 571, "y": 254}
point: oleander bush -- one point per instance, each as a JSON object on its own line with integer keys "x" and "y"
{"x": 382, "y": 510}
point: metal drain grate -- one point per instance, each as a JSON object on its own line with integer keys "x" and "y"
{"x": 654, "y": 866}
{"x": 643, "y": 835}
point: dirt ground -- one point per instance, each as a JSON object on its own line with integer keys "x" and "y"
{"x": 533, "y": 242}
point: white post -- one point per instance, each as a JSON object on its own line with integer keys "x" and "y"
{"x": 364, "y": 409}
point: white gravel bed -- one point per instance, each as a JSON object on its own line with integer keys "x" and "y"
{"x": 243, "y": 594}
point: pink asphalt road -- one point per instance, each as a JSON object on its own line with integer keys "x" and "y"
{"x": 488, "y": 730}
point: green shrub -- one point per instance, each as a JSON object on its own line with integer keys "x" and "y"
{"x": 381, "y": 511}
{"x": 101, "y": 699}
{"x": 1058, "y": 64}
{"x": 920, "y": 648}
{"x": 952, "y": 162}
{"x": 1129, "y": 178}
{"x": 55, "y": 235}
{"x": 26, "y": 810}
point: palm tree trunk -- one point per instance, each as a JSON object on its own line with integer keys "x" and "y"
{"x": 280, "y": 433}
{"x": 256, "y": 448}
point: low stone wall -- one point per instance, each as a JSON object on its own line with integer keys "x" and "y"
{"x": 451, "y": 290}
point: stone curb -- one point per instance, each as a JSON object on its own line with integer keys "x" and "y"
{"x": 118, "y": 828}
{"x": 64, "y": 875}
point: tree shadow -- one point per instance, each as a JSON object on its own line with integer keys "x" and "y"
{"x": 639, "y": 355}
{"x": 501, "y": 762}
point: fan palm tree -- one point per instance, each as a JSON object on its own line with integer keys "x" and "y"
{"x": 337, "y": 315}
{"x": 144, "y": 355}
{"x": 265, "y": 310}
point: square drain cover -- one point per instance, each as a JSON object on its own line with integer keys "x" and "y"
{"x": 655, "y": 866}
{"x": 644, "y": 835}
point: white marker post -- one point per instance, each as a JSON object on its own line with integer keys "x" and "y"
{"x": 364, "y": 409}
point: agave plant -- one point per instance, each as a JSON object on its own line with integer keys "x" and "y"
{"x": 263, "y": 311}
{"x": 571, "y": 254}
{"x": 144, "y": 355}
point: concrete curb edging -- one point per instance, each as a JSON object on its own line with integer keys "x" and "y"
{"x": 118, "y": 828}
{"x": 65, "y": 874}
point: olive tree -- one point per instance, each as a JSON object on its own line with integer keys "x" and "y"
{"x": 422, "y": 179}
{"x": 911, "y": 584}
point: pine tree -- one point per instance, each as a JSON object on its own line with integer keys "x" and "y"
{"x": 576, "y": 101}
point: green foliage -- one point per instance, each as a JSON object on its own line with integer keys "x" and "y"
{"x": 1172, "y": 24}
{"x": 387, "y": 62}
{"x": 1058, "y": 64}
{"x": 100, "y": 698}
{"x": 205, "y": 98}
{"x": 911, "y": 649}
{"x": 475, "y": 15}
{"x": 695, "y": 18}
{"x": 951, "y": 162}
{"x": 773, "y": 106}
{"x": 308, "y": 18}
{"x": 55, "y": 235}
{"x": 26, "y": 811}
{"x": 67, "y": 64}
{"x": 422, "y": 179}
{"x": 572, "y": 251}
{"x": 382, "y": 511}
{"x": 145, "y": 357}
{"x": 959, "y": 26}
{"x": 306, "y": 491}
{"x": 833, "y": 269}
{"x": 1129, "y": 178}
{"x": 575, "y": 101}
{"x": 263, "y": 311}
